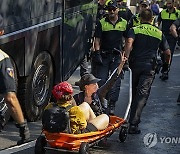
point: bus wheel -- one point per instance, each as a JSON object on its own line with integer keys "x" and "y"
{"x": 35, "y": 90}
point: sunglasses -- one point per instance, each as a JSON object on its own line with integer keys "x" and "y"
{"x": 112, "y": 9}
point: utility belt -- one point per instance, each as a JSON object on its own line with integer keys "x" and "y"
{"x": 107, "y": 52}
{"x": 156, "y": 63}
{"x": 139, "y": 61}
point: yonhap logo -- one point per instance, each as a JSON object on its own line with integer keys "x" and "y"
{"x": 150, "y": 140}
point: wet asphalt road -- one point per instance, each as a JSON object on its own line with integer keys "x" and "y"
{"x": 161, "y": 118}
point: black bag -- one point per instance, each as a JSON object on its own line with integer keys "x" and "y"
{"x": 56, "y": 119}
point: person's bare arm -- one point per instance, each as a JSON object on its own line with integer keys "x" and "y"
{"x": 123, "y": 60}
{"x": 97, "y": 44}
{"x": 128, "y": 47}
{"x": 173, "y": 30}
{"x": 104, "y": 89}
{"x": 167, "y": 54}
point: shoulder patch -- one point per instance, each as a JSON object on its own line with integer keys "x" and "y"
{"x": 10, "y": 72}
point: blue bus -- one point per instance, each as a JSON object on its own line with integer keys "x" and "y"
{"x": 46, "y": 40}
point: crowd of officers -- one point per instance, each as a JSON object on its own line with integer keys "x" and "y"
{"x": 140, "y": 38}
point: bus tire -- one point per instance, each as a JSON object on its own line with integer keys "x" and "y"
{"x": 35, "y": 90}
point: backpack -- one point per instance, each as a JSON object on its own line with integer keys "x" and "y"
{"x": 56, "y": 119}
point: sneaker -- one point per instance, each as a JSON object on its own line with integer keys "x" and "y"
{"x": 133, "y": 129}
{"x": 164, "y": 76}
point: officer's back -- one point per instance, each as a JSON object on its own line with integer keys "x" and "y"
{"x": 148, "y": 38}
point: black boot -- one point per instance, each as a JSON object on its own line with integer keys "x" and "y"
{"x": 164, "y": 76}
{"x": 24, "y": 133}
{"x": 133, "y": 129}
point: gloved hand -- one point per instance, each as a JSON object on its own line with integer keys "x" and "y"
{"x": 165, "y": 68}
{"x": 158, "y": 66}
{"x": 96, "y": 57}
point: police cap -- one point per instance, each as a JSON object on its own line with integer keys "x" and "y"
{"x": 112, "y": 4}
{"x": 144, "y": 2}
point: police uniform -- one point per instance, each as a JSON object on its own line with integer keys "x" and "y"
{"x": 101, "y": 12}
{"x": 135, "y": 21}
{"x": 177, "y": 23}
{"x": 111, "y": 37}
{"x": 125, "y": 13}
{"x": 167, "y": 19}
{"x": 6, "y": 74}
{"x": 142, "y": 61}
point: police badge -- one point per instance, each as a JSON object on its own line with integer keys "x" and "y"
{"x": 10, "y": 72}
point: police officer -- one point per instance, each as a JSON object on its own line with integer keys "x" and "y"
{"x": 101, "y": 12}
{"x": 124, "y": 11}
{"x": 135, "y": 19}
{"x": 8, "y": 91}
{"x": 105, "y": 59}
{"x": 101, "y": 9}
{"x": 175, "y": 31}
{"x": 167, "y": 17}
{"x": 144, "y": 40}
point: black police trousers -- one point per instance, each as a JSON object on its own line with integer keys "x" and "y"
{"x": 110, "y": 61}
{"x": 84, "y": 67}
{"x": 143, "y": 75}
{"x": 172, "y": 44}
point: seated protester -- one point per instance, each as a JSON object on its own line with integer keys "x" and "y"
{"x": 94, "y": 95}
{"x": 82, "y": 118}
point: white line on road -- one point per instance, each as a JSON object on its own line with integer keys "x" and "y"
{"x": 18, "y": 148}
{"x": 176, "y": 55}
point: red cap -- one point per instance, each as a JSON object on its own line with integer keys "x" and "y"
{"x": 63, "y": 88}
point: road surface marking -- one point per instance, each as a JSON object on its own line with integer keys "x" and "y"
{"x": 18, "y": 148}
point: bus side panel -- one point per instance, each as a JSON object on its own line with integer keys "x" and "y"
{"x": 16, "y": 14}
{"x": 73, "y": 42}
{"x": 15, "y": 50}
{"x": 46, "y": 40}
{"x": 78, "y": 28}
